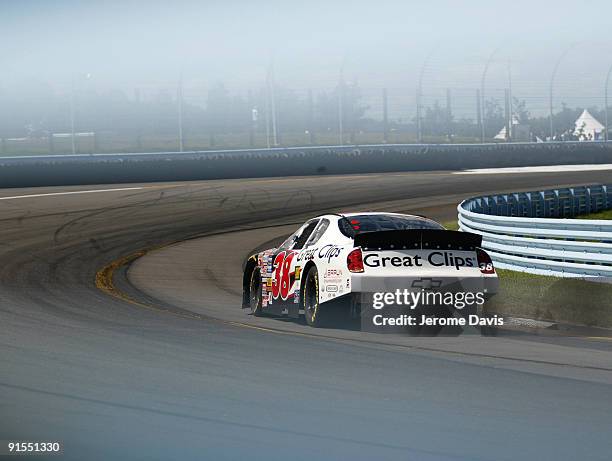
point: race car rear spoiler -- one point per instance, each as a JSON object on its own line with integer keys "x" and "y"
{"x": 418, "y": 239}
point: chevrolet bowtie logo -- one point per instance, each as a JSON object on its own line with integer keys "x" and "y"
{"x": 426, "y": 283}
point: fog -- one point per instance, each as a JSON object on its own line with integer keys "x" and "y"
{"x": 381, "y": 42}
{"x": 150, "y": 45}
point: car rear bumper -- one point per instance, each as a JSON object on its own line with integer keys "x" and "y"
{"x": 360, "y": 283}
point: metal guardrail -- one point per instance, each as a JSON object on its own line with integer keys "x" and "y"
{"x": 534, "y": 231}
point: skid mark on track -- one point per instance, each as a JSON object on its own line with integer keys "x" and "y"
{"x": 126, "y": 210}
{"x": 210, "y": 275}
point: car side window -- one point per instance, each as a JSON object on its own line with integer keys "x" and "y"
{"x": 318, "y": 232}
{"x": 303, "y": 237}
{"x": 290, "y": 241}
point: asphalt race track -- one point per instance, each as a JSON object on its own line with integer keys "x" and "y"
{"x": 178, "y": 371}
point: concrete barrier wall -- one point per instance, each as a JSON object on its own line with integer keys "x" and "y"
{"x": 167, "y": 166}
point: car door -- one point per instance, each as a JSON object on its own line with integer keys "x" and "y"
{"x": 282, "y": 290}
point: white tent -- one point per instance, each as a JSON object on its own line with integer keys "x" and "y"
{"x": 587, "y": 127}
{"x": 502, "y": 133}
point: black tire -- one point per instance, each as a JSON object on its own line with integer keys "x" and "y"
{"x": 255, "y": 293}
{"x": 310, "y": 298}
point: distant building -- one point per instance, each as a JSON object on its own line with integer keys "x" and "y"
{"x": 588, "y": 128}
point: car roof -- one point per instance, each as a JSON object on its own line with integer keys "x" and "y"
{"x": 379, "y": 213}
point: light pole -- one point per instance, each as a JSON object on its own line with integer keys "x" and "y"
{"x": 267, "y": 117}
{"x": 341, "y": 104}
{"x": 552, "y": 81}
{"x": 419, "y": 95}
{"x": 72, "y": 140}
{"x": 86, "y": 76}
{"x": 482, "y": 92}
{"x": 606, "y": 101}
{"x": 510, "y": 128}
{"x": 271, "y": 87}
{"x": 180, "y": 112}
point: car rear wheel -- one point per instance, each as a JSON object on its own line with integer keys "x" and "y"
{"x": 310, "y": 298}
{"x": 255, "y": 295}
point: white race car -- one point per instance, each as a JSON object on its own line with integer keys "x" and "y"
{"x": 335, "y": 259}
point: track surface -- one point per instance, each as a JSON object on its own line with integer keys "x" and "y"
{"x": 115, "y": 380}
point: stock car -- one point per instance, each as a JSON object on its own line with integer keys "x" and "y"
{"x": 333, "y": 259}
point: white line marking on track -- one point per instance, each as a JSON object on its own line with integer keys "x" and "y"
{"x": 538, "y": 169}
{"x": 51, "y": 194}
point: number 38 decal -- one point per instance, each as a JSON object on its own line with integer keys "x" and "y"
{"x": 282, "y": 280}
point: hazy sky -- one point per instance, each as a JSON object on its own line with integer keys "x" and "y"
{"x": 382, "y": 43}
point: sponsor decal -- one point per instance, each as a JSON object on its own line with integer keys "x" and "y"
{"x": 332, "y": 288}
{"x": 435, "y": 259}
{"x": 332, "y": 273}
{"x": 334, "y": 281}
{"x": 282, "y": 282}
{"x": 307, "y": 255}
{"x": 297, "y": 272}
{"x": 329, "y": 251}
{"x": 426, "y": 283}
{"x": 326, "y": 252}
